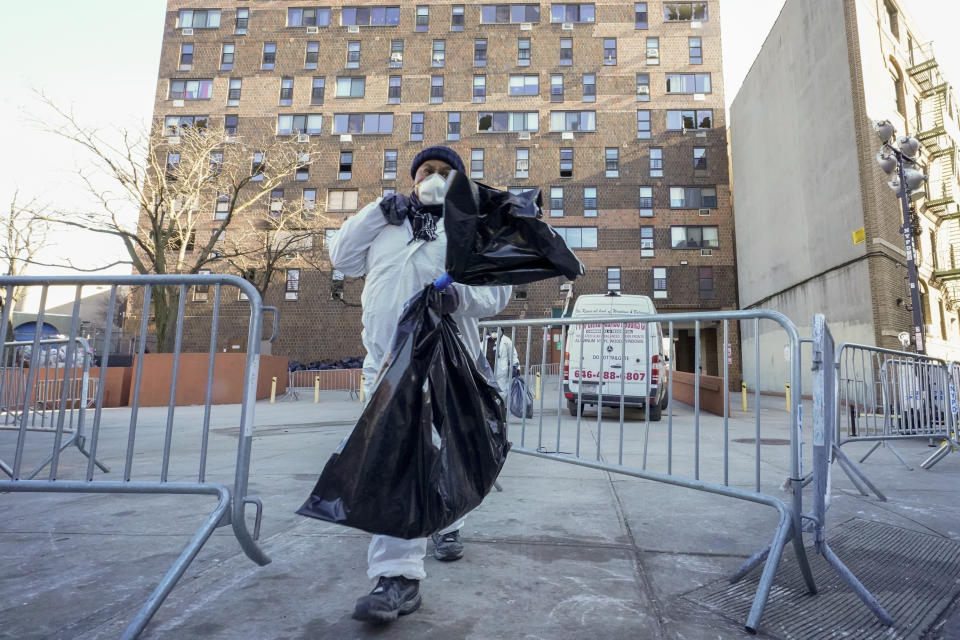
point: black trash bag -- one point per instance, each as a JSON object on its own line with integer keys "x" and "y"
{"x": 387, "y": 476}
{"x": 496, "y": 237}
{"x": 521, "y": 400}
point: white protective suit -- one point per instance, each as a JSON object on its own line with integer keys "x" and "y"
{"x": 396, "y": 270}
{"x": 506, "y": 360}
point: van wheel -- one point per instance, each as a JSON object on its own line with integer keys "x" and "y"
{"x": 664, "y": 402}
{"x": 572, "y": 407}
{"x": 654, "y": 413}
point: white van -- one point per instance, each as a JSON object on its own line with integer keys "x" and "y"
{"x": 642, "y": 375}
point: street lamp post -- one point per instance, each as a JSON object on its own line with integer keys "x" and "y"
{"x": 900, "y": 157}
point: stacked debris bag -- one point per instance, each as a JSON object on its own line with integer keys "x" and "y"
{"x": 432, "y": 439}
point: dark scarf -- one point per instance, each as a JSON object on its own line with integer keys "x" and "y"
{"x": 423, "y": 218}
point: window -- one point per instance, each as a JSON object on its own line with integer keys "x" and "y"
{"x": 639, "y": 15}
{"x": 396, "y": 54}
{"x": 230, "y": 124}
{"x": 688, "y": 119}
{"x": 556, "y": 202}
{"x": 439, "y": 52}
{"x": 226, "y": 56}
{"x": 276, "y": 202}
{"x": 609, "y": 51}
{"x": 243, "y": 21}
{"x": 524, "y": 85}
{"x": 201, "y": 292}
{"x": 269, "y": 55}
{"x": 329, "y": 235}
{"x": 892, "y": 20}
{"x": 198, "y": 19}
{"x": 645, "y": 202}
{"x": 309, "y": 199}
{"x": 286, "y": 92}
{"x": 573, "y": 121}
{"x": 659, "y": 282}
{"x": 556, "y": 88}
{"x": 476, "y": 163}
{"x": 502, "y": 121}
{"x": 342, "y": 200}
{"x": 370, "y": 16}
{"x": 390, "y": 164}
{"x": 566, "y": 51}
{"x": 221, "y": 207}
{"x": 387, "y": 191}
{"x": 643, "y": 124}
{"x": 175, "y": 125}
{"x": 312, "y": 55}
{"x": 186, "y": 57}
{"x": 456, "y": 18}
{"x": 589, "y": 202}
{"x": 696, "y": 50}
{"x": 509, "y": 13}
{"x": 613, "y": 278}
{"x": 705, "y": 275}
{"x": 572, "y": 13}
{"x": 646, "y": 242}
{"x": 688, "y": 83}
{"x": 353, "y": 54}
{"x": 694, "y": 238}
{"x": 589, "y": 87}
{"x": 522, "y": 163}
{"x": 233, "y": 94}
{"x": 479, "y": 88}
{"x": 693, "y": 197}
{"x": 345, "y": 170}
{"x": 523, "y": 52}
{"x": 173, "y": 163}
{"x": 300, "y": 123}
{"x": 317, "y": 90}
{"x": 394, "y": 89}
{"x": 578, "y": 237}
{"x": 362, "y": 123}
{"x": 453, "y": 125}
{"x": 423, "y": 18}
{"x": 302, "y": 170}
{"x": 684, "y": 11}
{"x": 700, "y": 158}
{"x": 479, "y": 53}
{"x": 653, "y": 50}
{"x": 258, "y": 166}
{"x": 216, "y": 162}
{"x": 643, "y": 87}
{"x": 292, "y": 290}
{"x": 351, "y": 87}
{"x": 611, "y": 157}
{"x": 899, "y": 90}
{"x": 656, "y": 162}
{"x": 416, "y": 126}
{"x": 436, "y": 89}
{"x": 312, "y": 17}
{"x": 566, "y": 163}
{"x": 191, "y": 89}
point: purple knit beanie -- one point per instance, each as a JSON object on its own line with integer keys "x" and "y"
{"x": 439, "y": 152}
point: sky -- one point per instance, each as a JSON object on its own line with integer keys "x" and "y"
{"x": 100, "y": 58}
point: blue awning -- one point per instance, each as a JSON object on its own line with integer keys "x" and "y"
{"x": 28, "y": 330}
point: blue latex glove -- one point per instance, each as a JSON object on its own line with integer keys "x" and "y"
{"x": 394, "y": 208}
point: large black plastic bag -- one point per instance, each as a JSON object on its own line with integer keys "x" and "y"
{"x": 388, "y": 477}
{"x": 521, "y": 400}
{"x": 496, "y": 237}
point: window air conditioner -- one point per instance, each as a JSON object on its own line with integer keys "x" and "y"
{"x": 696, "y": 24}
{"x": 566, "y": 135}
{"x": 353, "y": 28}
{"x": 173, "y": 140}
{"x": 276, "y": 205}
{"x": 565, "y": 286}
{"x": 346, "y": 138}
{"x": 699, "y": 97}
{"x": 567, "y": 26}
{"x": 706, "y": 253}
{"x": 396, "y": 57}
{"x": 230, "y": 139}
{"x": 187, "y": 32}
{"x": 526, "y": 26}
{"x": 704, "y": 212}
{"x": 303, "y": 137}
{"x": 185, "y": 67}
{"x": 524, "y": 135}
{"x": 178, "y": 103}
{"x": 313, "y": 29}
{"x": 523, "y": 165}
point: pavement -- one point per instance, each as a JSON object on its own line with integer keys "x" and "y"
{"x": 562, "y": 552}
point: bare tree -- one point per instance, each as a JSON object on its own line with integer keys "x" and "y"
{"x": 172, "y": 194}
{"x": 23, "y": 237}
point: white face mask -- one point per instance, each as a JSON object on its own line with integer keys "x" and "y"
{"x": 432, "y": 189}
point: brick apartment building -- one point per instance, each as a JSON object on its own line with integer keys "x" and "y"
{"x": 614, "y": 110}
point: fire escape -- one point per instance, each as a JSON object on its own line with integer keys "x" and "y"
{"x": 937, "y": 129}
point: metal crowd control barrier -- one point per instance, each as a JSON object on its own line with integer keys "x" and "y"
{"x": 41, "y": 393}
{"x": 328, "y": 380}
{"x": 657, "y": 459}
{"x": 884, "y": 396}
{"x": 231, "y": 495}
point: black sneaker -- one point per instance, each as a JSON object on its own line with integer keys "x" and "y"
{"x": 392, "y": 597}
{"x": 447, "y": 547}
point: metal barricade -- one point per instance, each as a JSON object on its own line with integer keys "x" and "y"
{"x": 58, "y": 382}
{"x": 326, "y": 380}
{"x": 156, "y": 473}
{"x": 669, "y": 453}
{"x": 884, "y": 396}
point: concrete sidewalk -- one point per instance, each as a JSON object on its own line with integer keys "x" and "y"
{"x": 562, "y": 552}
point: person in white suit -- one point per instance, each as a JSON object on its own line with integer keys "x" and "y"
{"x": 506, "y": 360}
{"x": 399, "y": 243}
